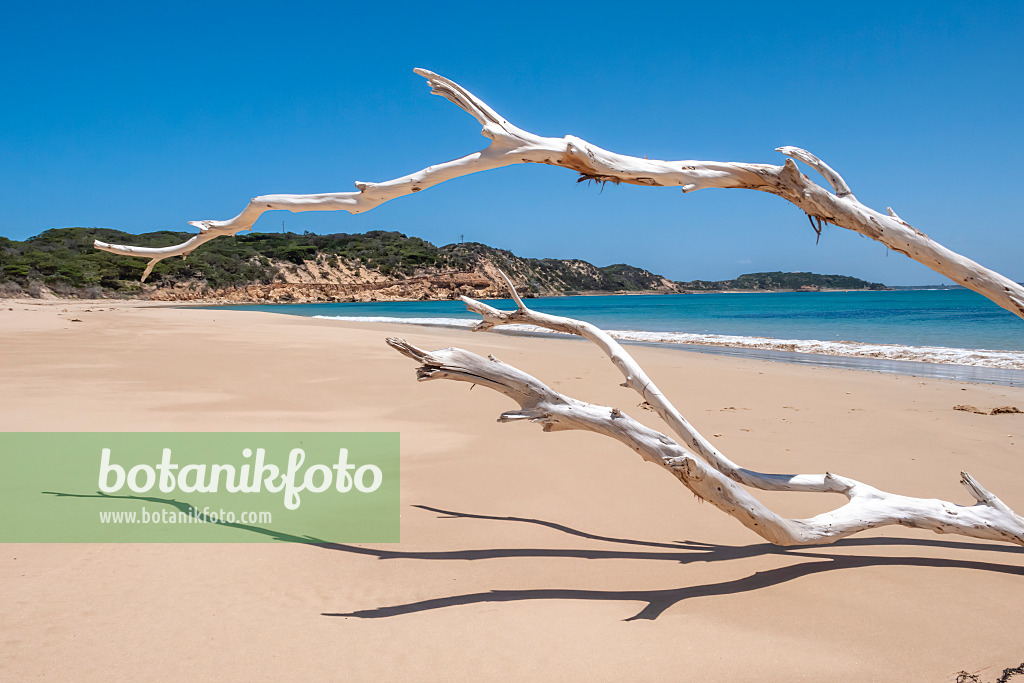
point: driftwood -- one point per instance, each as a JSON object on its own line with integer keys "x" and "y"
{"x": 694, "y": 460}
{"x": 698, "y": 464}
{"x": 511, "y": 145}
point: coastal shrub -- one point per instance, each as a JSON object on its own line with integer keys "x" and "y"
{"x": 65, "y": 257}
{"x": 11, "y": 290}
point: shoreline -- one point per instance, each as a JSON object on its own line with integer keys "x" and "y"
{"x": 1012, "y": 377}
{"x": 999, "y": 366}
{"x": 822, "y": 290}
{"x": 872, "y": 358}
{"x": 187, "y": 299}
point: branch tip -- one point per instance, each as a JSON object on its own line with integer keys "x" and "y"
{"x": 894, "y": 216}
{"x": 512, "y": 289}
{"x": 977, "y": 491}
{"x": 826, "y": 171}
{"x": 406, "y": 349}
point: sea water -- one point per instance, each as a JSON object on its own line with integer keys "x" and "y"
{"x": 956, "y": 327}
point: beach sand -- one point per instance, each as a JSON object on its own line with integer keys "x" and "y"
{"x": 524, "y": 555}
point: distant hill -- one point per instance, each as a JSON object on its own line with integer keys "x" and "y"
{"x": 557, "y": 276}
{"x": 377, "y": 265}
{"x": 289, "y": 267}
{"x": 776, "y": 281}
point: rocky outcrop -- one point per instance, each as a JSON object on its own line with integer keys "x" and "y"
{"x": 478, "y": 274}
{"x": 416, "y": 288}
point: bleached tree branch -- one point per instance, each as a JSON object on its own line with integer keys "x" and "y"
{"x": 512, "y": 145}
{"x": 637, "y": 380}
{"x": 867, "y": 507}
{"x": 833, "y": 178}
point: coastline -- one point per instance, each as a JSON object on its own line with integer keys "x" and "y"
{"x": 262, "y": 295}
{"x": 998, "y": 367}
{"x": 510, "y": 536}
{"x": 625, "y": 292}
{"x": 969, "y": 365}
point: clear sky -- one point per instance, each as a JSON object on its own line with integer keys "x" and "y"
{"x": 142, "y": 116}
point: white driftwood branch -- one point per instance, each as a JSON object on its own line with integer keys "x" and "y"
{"x": 867, "y": 507}
{"x": 637, "y": 380}
{"x": 157, "y": 254}
{"x": 512, "y": 145}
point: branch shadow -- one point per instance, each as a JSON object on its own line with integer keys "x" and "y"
{"x": 656, "y": 602}
{"x": 188, "y": 509}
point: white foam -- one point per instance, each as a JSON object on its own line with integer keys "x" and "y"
{"x": 1007, "y": 360}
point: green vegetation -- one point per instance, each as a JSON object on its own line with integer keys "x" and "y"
{"x": 630, "y": 278}
{"x": 559, "y": 275}
{"x": 65, "y": 261}
{"x": 778, "y": 280}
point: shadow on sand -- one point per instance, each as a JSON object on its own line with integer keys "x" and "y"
{"x": 655, "y": 602}
{"x": 658, "y": 601}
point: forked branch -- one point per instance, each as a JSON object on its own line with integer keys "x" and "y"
{"x": 867, "y": 507}
{"x": 512, "y": 145}
{"x": 637, "y": 380}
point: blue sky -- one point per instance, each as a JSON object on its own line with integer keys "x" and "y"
{"x": 142, "y": 117}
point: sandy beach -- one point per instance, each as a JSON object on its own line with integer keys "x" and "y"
{"x": 524, "y": 555}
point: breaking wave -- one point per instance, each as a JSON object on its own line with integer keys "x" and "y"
{"x": 1005, "y": 360}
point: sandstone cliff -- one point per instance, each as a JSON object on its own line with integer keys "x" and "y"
{"x": 323, "y": 279}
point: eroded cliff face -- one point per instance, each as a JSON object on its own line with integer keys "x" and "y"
{"x": 324, "y": 280}
{"x": 379, "y": 265}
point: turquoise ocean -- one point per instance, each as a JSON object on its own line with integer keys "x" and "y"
{"x": 872, "y": 330}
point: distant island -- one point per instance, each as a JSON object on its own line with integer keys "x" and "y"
{"x": 778, "y": 281}
{"x": 374, "y": 266}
